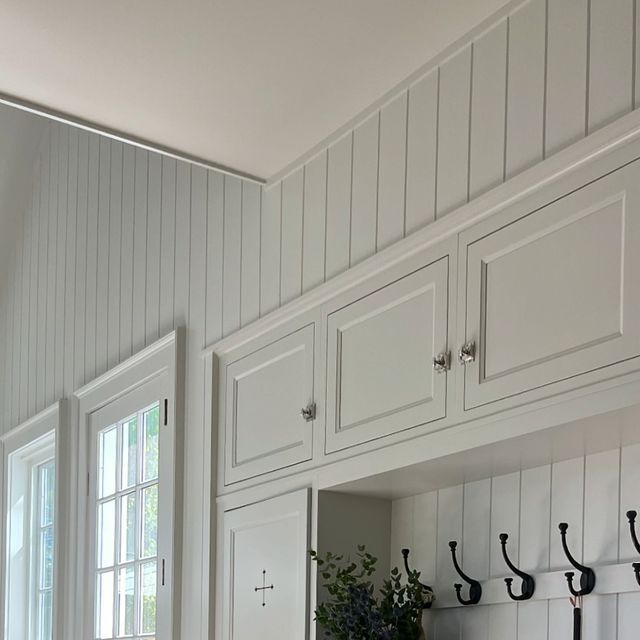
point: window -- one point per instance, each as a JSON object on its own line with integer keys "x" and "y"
{"x": 126, "y": 544}
{"x": 127, "y": 526}
{"x": 30, "y": 530}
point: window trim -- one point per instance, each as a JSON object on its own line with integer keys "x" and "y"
{"x": 157, "y": 366}
{"x": 44, "y": 430}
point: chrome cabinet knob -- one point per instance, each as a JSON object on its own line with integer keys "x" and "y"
{"x": 309, "y": 412}
{"x": 441, "y": 362}
{"x": 467, "y": 352}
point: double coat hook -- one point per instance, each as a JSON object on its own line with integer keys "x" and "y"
{"x": 475, "y": 588}
{"x": 587, "y": 575}
{"x": 425, "y": 587}
{"x": 528, "y": 582}
{"x": 632, "y": 515}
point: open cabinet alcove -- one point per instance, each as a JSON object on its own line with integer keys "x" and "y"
{"x": 585, "y": 473}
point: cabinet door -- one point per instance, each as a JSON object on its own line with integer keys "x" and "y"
{"x": 555, "y": 294}
{"x": 380, "y": 372}
{"x": 264, "y": 393}
{"x": 265, "y": 576}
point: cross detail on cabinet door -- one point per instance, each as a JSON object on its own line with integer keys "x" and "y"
{"x": 264, "y": 587}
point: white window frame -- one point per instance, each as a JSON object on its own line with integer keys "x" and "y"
{"x": 152, "y": 374}
{"x": 28, "y": 445}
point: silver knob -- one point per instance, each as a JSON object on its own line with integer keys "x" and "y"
{"x": 441, "y": 362}
{"x": 467, "y": 352}
{"x": 309, "y": 412}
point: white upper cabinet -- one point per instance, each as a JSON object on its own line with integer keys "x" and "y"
{"x": 265, "y": 569}
{"x": 553, "y": 295}
{"x": 380, "y": 358}
{"x": 267, "y": 404}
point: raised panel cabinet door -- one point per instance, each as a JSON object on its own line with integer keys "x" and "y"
{"x": 555, "y": 294}
{"x": 265, "y": 575}
{"x": 265, "y": 392}
{"x": 380, "y": 364}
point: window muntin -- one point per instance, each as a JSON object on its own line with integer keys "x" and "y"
{"x": 127, "y": 527}
{"x": 43, "y": 500}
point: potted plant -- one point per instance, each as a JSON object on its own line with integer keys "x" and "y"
{"x": 352, "y": 609}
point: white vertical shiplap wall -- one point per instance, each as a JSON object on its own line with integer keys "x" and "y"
{"x": 592, "y": 494}
{"x": 118, "y": 246}
{"x": 540, "y": 78}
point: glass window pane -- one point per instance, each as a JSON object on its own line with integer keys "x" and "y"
{"x": 107, "y": 462}
{"x": 46, "y": 558}
{"x": 128, "y": 527}
{"x": 45, "y": 617}
{"x": 47, "y": 489}
{"x": 126, "y": 601}
{"x": 149, "y": 547}
{"x": 106, "y": 533}
{"x": 151, "y": 442}
{"x": 129, "y": 453}
{"x": 148, "y": 608}
{"x": 104, "y": 610}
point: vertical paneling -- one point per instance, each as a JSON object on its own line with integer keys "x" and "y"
{"x": 291, "y": 231}
{"x": 422, "y": 146}
{"x": 453, "y": 132}
{"x": 250, "y": 275}
{"x": 72, "y": 252}
{"x": 62, "y": 253}
{"x": 402, "y": 530}
{"x": 102, "y": 289}
{"x": 215, "y": 255}
{"x": 92, "y": 258}
{"x": 314, "y": 223}
{"x": 167, "y": 244}
{"x": 392, "y": 172}
{"x": 270, "y": 249}
{"x": 183, "y": 237}
{"x": 488, "y": 106}
{"x": 610, "y": 48}
{"x": 338, "y": 231}
{"x": 364, "y": 194}
{"x": 524, "y": 144}
{"x": 477, "y": 528}
{"x": 52, "y": 257}
{"x": 425, "y": 529}
{"x": 567, "y": 495}
{"x": 567, "y": 40}
{"x": 505, "y": 518}
{"x": 127, "y": 251}
{"x": 140, "y": 211}
{"x": 232, "y": 254}
{"x": 535, "y": 493}
{"x": 154, "y": 228}
{"x": 23, "y": 328}
{"x": 81, "y": 258}
{"x": 629, "y": 498}
{"x": 115, "y": 256}
{"x": 450, "y": 503}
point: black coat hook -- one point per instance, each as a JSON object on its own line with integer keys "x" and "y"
{"x": 528, "y": 583}
{"x": 632, "y": 515}
{"x": 425, "y": 587}
{"x": 587, "y": 575}
{"x": 475, "y": 588}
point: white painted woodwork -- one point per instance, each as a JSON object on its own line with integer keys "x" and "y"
{"x": 538, "y": 318}
{"x": 271, "y": 536}
{"x": 380, "y": 350}
{"x": 264, "y": 392}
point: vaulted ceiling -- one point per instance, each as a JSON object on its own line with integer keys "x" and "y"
{"x": 245, "y": 83}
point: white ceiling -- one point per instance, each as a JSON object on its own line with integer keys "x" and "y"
{"x": 251, "y": 84}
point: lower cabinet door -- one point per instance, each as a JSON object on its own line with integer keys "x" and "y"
{"x": 380, "y": 359}
{"x": 265, "y": 581}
